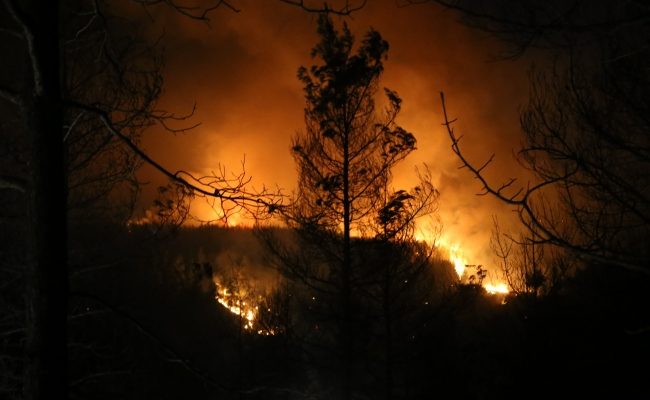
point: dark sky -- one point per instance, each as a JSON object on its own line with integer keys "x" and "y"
{"x": 241, "y": 72}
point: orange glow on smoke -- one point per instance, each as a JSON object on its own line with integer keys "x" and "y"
{"x": 257, "y": 114}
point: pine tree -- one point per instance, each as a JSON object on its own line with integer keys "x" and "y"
{"x": 344, "y": 158}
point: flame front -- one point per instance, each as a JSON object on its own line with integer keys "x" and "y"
{"x": 456, "y": 257}
{"x": 238, "y": 305}
{"x": 245, "y": 305}
{"x": 496, "y": 288}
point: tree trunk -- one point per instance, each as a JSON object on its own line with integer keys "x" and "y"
{"x": 388, "y": 331}
{"x": 45, "y": 374}
{"x": 347, "y": 329}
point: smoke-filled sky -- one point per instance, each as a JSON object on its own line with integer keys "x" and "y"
{"x": 241, "y": 73}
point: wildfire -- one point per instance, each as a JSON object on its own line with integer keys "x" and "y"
{"x": 237, "y": 304}
{"x": 243, "y": 303}
{"x": 496, "y": 288}
{"x": 457, "y": 258}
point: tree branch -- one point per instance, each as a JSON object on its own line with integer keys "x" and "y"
{"x": 531, "y": 219}
{"x": 27, "y": 33}
{"x": 10, "y": 96}
{"x": 344, "y": 10}
{"x": 219, "y": 187}
{"x": 11, "y": 32}
{"x": 192, "y": 12}
{"x": 203, "y": 376}
{"x": 13, "y": 183}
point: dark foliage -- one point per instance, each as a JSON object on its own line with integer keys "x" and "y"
{"x": 585, "y": 338}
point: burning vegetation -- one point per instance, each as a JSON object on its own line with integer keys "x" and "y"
{"x": 257, "y": 305}
{"x": 239, "y": 303}
{"x": 462, "y": 268}
{"x": 242, "y": 300}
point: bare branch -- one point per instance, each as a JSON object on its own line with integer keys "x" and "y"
{"x": 10, "y": 96}
{"x": 72, "y": 125}
{"x": 13, "y": 183}
{"x": 11, "y": 32}
{"x": 27, "y": 33}
{"x": 187, "y": 364}
{"x": 99, "y": 375}
{"x": 466, "y": 164}
{"x": 220, "y": 187}
{"x": 537, "y": 223}
{"x": 192, "y": 12}
{"x": 162, "y": 117}
{"x": 347, "y": 9}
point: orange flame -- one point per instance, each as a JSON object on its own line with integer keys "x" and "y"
{"x": 245, "y": 305}
{"x": 496, "y": 288}
{"x": 236, "y": 303}
{"x": 456, "y": 256}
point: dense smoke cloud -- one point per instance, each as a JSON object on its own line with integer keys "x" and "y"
{"x": 241, "y": 72}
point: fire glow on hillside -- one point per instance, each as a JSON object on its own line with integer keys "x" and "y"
{"x": 496, "y": 288}
{"x": 457, "y": 258}
{"x": 456, "y": 255}
{"x": 241, "y": 299}
{"x": 238, "y": 305}
{"x": 244, "y": 304}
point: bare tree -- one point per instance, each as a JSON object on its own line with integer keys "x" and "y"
{"x": 79, "y": 106}
{"x": 528, "y": 266}
{"x": 558, "y": 208}
{"x": 75, "y": 118}
{"x": 556, "y": 25}
{"x": 585, "y": 127}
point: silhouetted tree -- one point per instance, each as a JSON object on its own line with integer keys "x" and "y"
{"x": 344, "y": 159}
{"x": 585, "y": 126}
{"x": 557, "y": 26}
{"x": 76, "y": 96}
{"x": 527, "y": 266}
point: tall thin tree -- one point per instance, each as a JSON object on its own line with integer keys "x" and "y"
{"x": 344, "y": 159}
